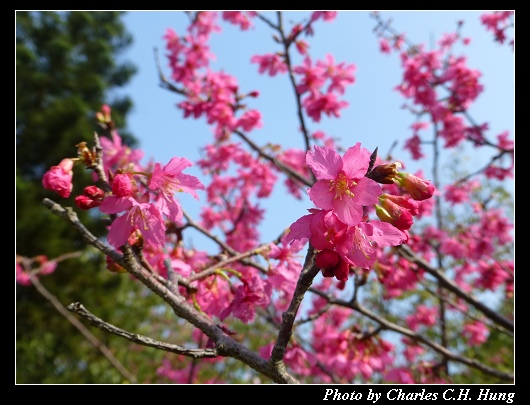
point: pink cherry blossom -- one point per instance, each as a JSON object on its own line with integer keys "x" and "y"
{"x": 144, "y": 217}
{"x": 328, "y": 16}
{"x": 270, "y": 63}
{"x": 356, "y": 245}
{"x": 22, "y": 277}
{"x": 363, "y": 241}
{"x": 342, "y": 185}
{"x": 317, "y": 104}
{"x": 341, "y": 75}
{"x": 115, "y": 154}
{"x": 476, "y": 333}
{"x": 241, "y": 18}
{"x": 249, "y": 120}
{"x": 422, "y": 316}
{"x": 400, "y": 375}
{"x": 252, "y": 293}
{"x": 59, "y": 178}
{"x": 169, "y": 179}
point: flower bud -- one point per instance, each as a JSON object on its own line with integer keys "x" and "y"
{"x": 332, "y": 265}
{"x": 85, "y": 203}
{"x": 113, "y": 266}
{"x": 417, "y": 187}
{"x": 404, "y": 201}
{"x": 122, "y": 185}
{"x": 385, "y": 174}
{"x": 394, "y": 214}
{"x": 59, "y": 178}
{"x": 94, "y": 192}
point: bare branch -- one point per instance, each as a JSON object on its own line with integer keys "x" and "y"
{"x": 94, "y": 341}
{"x": 309, "y": 271}
{"x": 282, "y": 167}
{"x": 386, "y": 324}
{"x": 79, "y": 309}
{"x": 500, "y": 320}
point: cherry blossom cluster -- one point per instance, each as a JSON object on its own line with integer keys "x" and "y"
{"x": 442, "y": 88}
{"x": 363, "y": 205}
{"x": 499, "y": 22}
{"x": 345, "y": 189}
{"x": 139, "y": 199}
{"x": 39, "y": 265}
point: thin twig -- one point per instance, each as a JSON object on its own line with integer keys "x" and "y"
{"x": 79, "y": 309}
{"x": 450, "y": 285}
{"x": 94, "y": 341}
{"x": 388, "y": 325}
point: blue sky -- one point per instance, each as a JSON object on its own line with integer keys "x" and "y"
{"x": 374, "y": 117}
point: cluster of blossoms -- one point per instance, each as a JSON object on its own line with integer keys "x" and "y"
{"x": 144, "y": 212}
{"x": 346, "y": 188}
{"x": 141, "y": 199}
{"x": 37, "y": 266}
{"x": 499, "y": 22}
{"x": 442, "y": 87}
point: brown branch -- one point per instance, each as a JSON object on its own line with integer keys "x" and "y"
{"x": 463, "y": 311}
{"x": 299, "y": 111}
{"x": 282, "y": 167}
{"x": 222, "y": 244}
{"x": 80, "y": 310}
{"x": 386, "y": 324}
{"x": 236, "y": 258}
{"x": 225, "y": 344}
{"x": 450, "y": 285}
{"x": 309, "y": 271}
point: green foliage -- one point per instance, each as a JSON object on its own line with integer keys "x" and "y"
{"x": 65, "y": 70}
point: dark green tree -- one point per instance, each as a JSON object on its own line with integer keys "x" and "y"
{"x": 66, "y": 69}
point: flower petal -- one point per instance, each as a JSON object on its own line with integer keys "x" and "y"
{"x": 356, "y": 161}
{"x": 367, "y": 191}
{"x": 119, "y": 231}
{"x": 321, "y": 195}
{"x": 325, "y": 163}
{"x": 114, "y": 205}
{"x": 348, "y": 210}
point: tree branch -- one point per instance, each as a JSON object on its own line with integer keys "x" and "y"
{"x": 386, "y": 324}
{"x": 94, "y": 341}
{"x": 79, "y": 309}
{"x": 226, "y": 345}
{"x": 309, "y": 271}
{"x": 450, "y": 285}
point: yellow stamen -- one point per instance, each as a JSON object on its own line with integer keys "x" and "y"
{"x": 341, "y": 185}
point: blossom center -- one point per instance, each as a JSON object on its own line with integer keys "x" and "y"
{"x": 342, "y": 186}
{"x": 137, "y": 215}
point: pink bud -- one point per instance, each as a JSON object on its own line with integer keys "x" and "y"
{"x": 122, "y": 185}
{"x": 59, "y": 178}
{"x": 94, "y": 192}
{"x": 417, "y": 187}
{"x": 327, "y": 258}
{"x": 84, "y": 202}
{"x": 105, "y": 109}
{"x": 405, "y": 201}
{"x": 332, "y": 265}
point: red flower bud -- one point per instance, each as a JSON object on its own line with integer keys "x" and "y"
{"x": 94, "y": 192}
{"x": 417, "y": 187}
{"x": 85, "y": 203}
{"x": 332, "y": 265}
